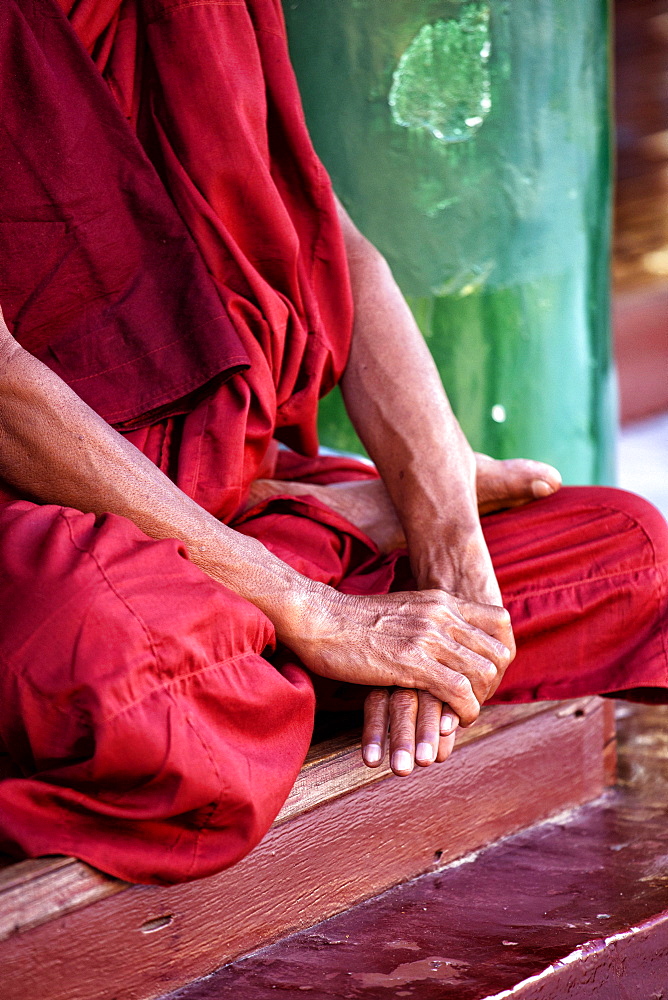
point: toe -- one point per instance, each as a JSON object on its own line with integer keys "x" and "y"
{"x": 513, "y": 481}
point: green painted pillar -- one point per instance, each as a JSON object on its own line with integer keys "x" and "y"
{"x": 470, "y": 143}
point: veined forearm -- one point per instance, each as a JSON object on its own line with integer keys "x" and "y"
{"x": 396, "y": 401}
{"x": 58, "y": 450}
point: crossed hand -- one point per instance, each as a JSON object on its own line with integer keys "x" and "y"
{"x": 432, "y": 658}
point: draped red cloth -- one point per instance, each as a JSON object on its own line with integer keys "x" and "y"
{"x": 167, "y": 223}
{"x": 170, "y": 248}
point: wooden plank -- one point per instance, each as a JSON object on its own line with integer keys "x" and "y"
{"x": 335, "y": 768}
{"x": 609, "y": 742}
{"x": 318, "y": 863}
{"x": 44, "y": 889}
{"x": 544, "y": 899}
{"x": 32, "y": 892}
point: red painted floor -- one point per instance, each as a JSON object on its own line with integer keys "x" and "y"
{"x": 482, "y": 926}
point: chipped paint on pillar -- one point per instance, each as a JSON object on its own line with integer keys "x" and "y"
{"x": 470, "y": 143}
{"x": 441, "y": 83}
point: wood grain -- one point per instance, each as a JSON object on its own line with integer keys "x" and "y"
{"x": 32, "y": 892}
{"x": 318, "y": 863}
{"x": 335, "y": 768}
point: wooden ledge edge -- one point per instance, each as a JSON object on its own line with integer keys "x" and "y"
{"x": 36, "y": 891}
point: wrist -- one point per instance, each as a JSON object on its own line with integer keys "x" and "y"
{"x": 443, "y": 547}
{"x": 251, "y": 570}
{"x": 457, "y": 562}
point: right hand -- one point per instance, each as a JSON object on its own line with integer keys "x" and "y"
{"x": 428, "y": 640}
{"x": 421, "y": 729}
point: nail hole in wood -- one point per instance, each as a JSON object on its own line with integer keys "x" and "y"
{"x": 156, "y": 924}
{"x": 578, "y": 713}
{"x": 437, "y": 856}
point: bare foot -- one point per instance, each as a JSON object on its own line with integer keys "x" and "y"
{"x": 512, "y": 481}
{"x": 366, "y": 503}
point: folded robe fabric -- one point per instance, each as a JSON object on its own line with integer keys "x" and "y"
{"x": 100, "y": 278}
{"x": 170, "y": 247}
{"x": 165, "y": 221}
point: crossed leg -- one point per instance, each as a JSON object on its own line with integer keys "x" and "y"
{"x": 584, "y": 574}
{"x": 146, "y": 733}
{"x": 149, "y": 735}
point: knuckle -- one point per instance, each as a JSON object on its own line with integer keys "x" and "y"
{"x": 470, "y": 713}
{"x": 461, "y": 685}
{"x": 429, "y": 702}
{"x": 401, "y": 742}
{"x": 505, "y": 657}
{"x": 488, "y": 672}
{"x": 503, "y": 616}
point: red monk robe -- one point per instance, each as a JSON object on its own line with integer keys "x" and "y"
{"x": 170, "y": 248}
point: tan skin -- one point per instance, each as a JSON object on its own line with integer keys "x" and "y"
{"x": 500, "y": 485}
{"x": 447, "y": 644}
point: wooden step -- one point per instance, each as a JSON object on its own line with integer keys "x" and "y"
{"x": 345, "y": 834}
{"x": 575, "y": 908}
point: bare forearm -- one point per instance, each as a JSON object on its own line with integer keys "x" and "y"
{"x": 56, "y": 449}
{"x": 396, "y": 401}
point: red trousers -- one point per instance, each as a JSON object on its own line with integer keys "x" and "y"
{"x": 145, "y": 727}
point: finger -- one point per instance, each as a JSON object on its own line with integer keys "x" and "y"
{"x": 445, "y": 747}
{"x": 449, "y": 721}
{"x": 481, "y": 628}
{"x": 403, "y": 718}
{"x": 374, "y": 733}
{"x": 480, "y": 672}
{"x": 494, "y": 621}
{"x": 449, "y": 686}
{"x": 487, "y": 645}
{"x": 427, "y": 731}
{"x": 491, "y": 618}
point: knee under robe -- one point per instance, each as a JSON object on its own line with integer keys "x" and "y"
{"x": 186, "y": 275}
{"x": 152, "y": 729}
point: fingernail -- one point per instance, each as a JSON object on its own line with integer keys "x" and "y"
{"x": 447, "y": 723}
{"x": 540, "y": 488}
{"x": 372, "y": 753}
{"x": 402, "y": 761}
{"x": 425, "y": 752}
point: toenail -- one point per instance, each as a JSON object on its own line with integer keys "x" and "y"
{"x": 540, "y": 488}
